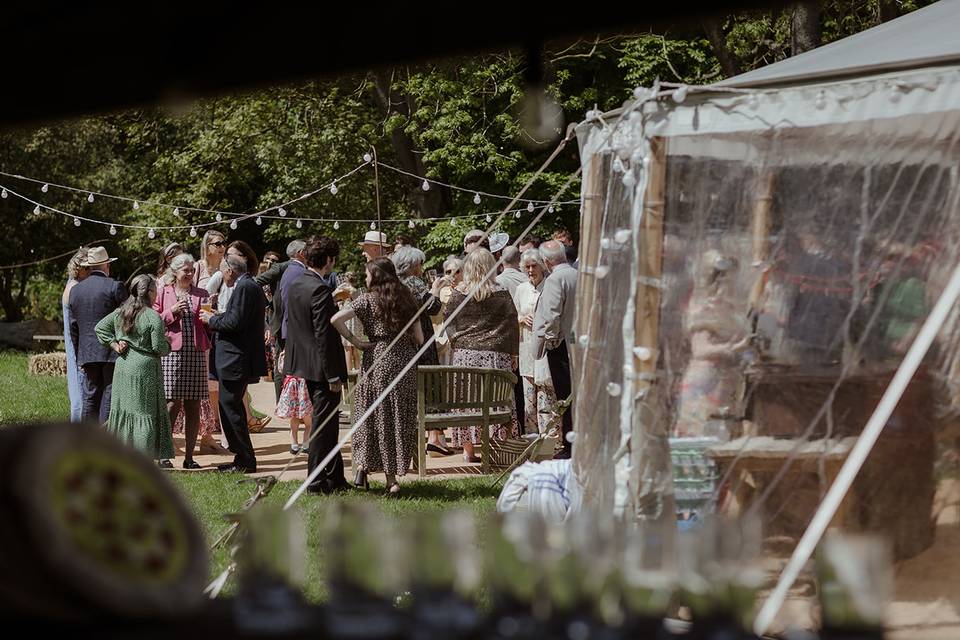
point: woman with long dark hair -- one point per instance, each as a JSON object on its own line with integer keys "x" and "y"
{"x": 138, "y": 410}
{"x": 388, "y": 438}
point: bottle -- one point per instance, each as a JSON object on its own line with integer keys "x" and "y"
{"x": 445, "y": 574}
{"x": 515, "y": 576}
{"x": 856, "y": 582}
{"x": 647, "y": 578}
{"x": 719, "y": 576}
{"x": 270, "y": 563}
{"x": 364, "y": 555}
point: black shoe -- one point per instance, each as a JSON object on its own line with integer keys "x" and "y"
{"x": 188, "y": 463}
{"x": 294, "y": 449}
{"x": 317, "y": 490}
{"x": 164, "y": 464}
{"x": 443, "y": 451}
{"x": 235, "y": 468}
{"x": 360, "y": 481}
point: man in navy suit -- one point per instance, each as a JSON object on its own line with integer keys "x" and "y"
{"x": 90, "y": 301}
{"x": 315, "y": 353}
{"x": 241, "y": 358}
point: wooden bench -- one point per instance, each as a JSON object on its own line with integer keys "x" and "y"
{"x": 461, "y": 397}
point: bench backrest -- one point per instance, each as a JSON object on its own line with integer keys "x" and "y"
{"x": 444, "y": 388}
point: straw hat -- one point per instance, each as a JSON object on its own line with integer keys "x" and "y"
{"x": 374, "y": 237}
{"x": 96, "y": 256}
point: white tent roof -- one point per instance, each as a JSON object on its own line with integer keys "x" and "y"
{"x": 926, "y": 37}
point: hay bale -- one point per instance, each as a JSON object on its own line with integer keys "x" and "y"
{"x": 48, "y": 364}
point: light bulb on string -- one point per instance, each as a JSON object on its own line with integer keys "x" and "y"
{"x": 476, "y": 198}
{"x": 333, "y": 188}
{"x": 151, "y": 234}
{"x": 176, "y": 211}
{"x": 489, "y": 218}
{"x": 453, "y": 222}
{"x": 530, "y": 207}
{"x": 282, "y": 212}
{"x": 373, "y": 226}
{"x": 259, "y": 221}
{"x": 3, "y": 194}
{"x": 36, "y": 209}
{"x": 425, "y": 186}
{"x": 517, "y": 215}
{"x": 233, "y": 224}
{"x": 411, "y": 224}
{"x": 299, "y": 223}
{"x": 136, "y": 205}
{"x": 550, "y": 209}
{"x": 219, "y": 217}
{"x": 336, "y": 224}
{"x": 193, "y": 232}
{"x": 45, "y": 188}
{"x": 680, "y": 93}
{"x": 76, "y": 222}
{"x": 821, "y": 101}
{"x": 113, "y": 230}
{"x": 90, "y": 198}
{"x": 367, "y": 157}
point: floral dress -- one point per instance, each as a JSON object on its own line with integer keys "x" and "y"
{"x": 387, "y": 440}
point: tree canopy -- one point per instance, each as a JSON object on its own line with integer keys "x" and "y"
{"x": 453, "y": 121}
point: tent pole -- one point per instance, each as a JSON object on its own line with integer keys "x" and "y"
{"x": 761, "y": 223}
{"x": 651, "y": 450}
{"x": 858, "y": 455}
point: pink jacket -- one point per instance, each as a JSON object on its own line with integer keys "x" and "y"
{"x": 166, "y": 298}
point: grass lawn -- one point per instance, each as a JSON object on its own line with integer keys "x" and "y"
{"x": 26, "y": 398}
{"x": 208, "y": 493}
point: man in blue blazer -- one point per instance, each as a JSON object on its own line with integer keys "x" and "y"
{"x": 241, "y": 358}
{"x": 90, "y": 301}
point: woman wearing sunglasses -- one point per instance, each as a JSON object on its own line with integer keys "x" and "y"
{"x": 212, "y": 248}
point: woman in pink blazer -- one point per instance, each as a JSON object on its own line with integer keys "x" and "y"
{"x": 185, "y": 369}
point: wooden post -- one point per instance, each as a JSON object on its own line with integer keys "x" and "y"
{"x": 650, "y": 450}
{"x": 650, "y": 267}
{"x": 761, "y": 226}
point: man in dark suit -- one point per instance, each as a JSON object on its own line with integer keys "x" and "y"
{"x": 90, "y": 301}
{"x": 271, "y": 278}
{"x": 295, "y": 269}
{"x": 315, "y": 353}
{"x": 240, "y": 358}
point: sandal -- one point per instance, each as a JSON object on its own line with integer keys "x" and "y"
{"x": 209, "y": 446}
{"x": 256, "y": 426}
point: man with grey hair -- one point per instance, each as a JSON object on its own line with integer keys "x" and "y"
{"x": 408, "y": 260}
{"x": 295, "y": 268}
{"x": 553, "y": 327}
{"x": 240, "y": 358}
{"x": 271, "y": 278}
{"x": 511, "y": 277}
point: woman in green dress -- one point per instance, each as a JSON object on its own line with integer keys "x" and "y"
{"x": 138, "y": 409}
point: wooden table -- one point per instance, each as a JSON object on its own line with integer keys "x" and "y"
{"x": 749, "y": 462}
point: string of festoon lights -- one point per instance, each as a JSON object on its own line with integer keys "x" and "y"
{"x": 275, "y": 212}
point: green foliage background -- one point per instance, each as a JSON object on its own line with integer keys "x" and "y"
{"x": 454, "y": 119}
